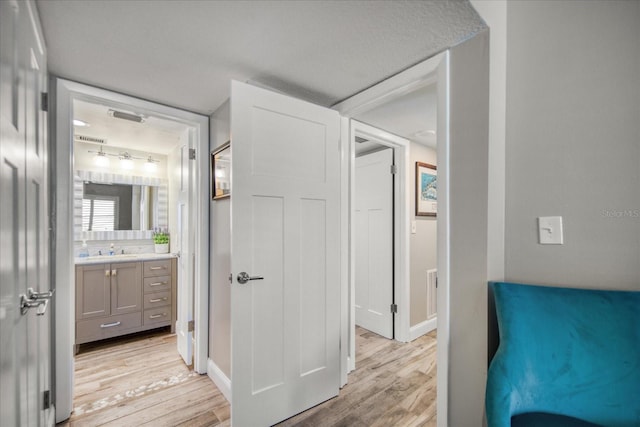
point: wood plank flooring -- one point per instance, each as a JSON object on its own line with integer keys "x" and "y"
{"x": 142, "y": 381}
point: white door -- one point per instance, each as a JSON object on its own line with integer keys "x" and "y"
{"x": 285, "y": 226}
{"x": 182, "y": 242}
{"x": 25, "y": 345}
{"x": 374, "y": 242}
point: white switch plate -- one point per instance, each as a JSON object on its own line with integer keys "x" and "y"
{"x": 413, "y": 227}
{"x": 550, "y": 230}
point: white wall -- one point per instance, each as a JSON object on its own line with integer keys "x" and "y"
{"x": 423, "y": 244}
{"x": 573, "y": 141}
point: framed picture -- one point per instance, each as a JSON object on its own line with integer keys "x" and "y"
{"x": 426, "y": 189}
{"x": 221, "y": 172}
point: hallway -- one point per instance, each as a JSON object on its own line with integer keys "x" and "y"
{"x": 142, "y": 381}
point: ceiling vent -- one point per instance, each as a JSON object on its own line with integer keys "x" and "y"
{"x": 360, "y": 140}
{"x": 126, "y": 116}
{"x": 90, "y": 139}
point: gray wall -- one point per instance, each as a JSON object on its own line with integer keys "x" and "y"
{"x": 573, "y": 141}
{"x": 220, "y": 263}
{"x": 423, "y": 243}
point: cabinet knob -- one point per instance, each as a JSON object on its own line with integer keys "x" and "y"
{"x": 107, "y": 273}
{"x": 114, "y": 272}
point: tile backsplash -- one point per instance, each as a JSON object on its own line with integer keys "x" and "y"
{"x": 129, "y": 246}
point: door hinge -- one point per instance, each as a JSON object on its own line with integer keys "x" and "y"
{"x": 190, "y": 326}
{"x": 46, "y": 399}
{"x": 394, "y": 308}
{"x": 394, "y": 169}
{"x": 44, "y": 101}
{"x": 192, "y": 153}
{"x": 436, "y": 282}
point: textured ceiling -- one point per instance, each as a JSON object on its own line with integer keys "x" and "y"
{"x": 184, "y": 53}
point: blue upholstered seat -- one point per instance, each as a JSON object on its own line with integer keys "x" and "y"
{"x": 566, "y": 353}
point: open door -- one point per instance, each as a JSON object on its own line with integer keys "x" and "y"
{"x": 184, "y": 329}
{"x": 374, "y": 242}
{"x": 285, "y": 292}
{"x": 25, "y": 295}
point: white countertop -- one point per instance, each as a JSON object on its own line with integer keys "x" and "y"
{"x": 103, "y": 259}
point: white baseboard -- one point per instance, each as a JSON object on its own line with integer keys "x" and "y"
{"x": 422, "y": 328}
{"x": 219, "y": 379}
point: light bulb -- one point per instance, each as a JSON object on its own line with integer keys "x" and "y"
{"x": 150, "y": 166}
{"x": 126, "y": 163}
{"x": 101, "y": 159}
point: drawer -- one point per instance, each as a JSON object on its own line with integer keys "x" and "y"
{"x": 156, "y": 268}
{"x": 106, "y": 327}
{"x": 159, "y": 315}
{"x": 156, "y": 284}
{"x": 157, "y": 299}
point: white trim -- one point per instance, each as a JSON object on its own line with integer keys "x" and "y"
{"x": 219, "y": 379}
{"x": 435, "y": 69}
{"x": 65, "y": 92}
{"x": 423, "y": 328}
{"x": 347, "y": 364}
{"x": 444, "y": 239}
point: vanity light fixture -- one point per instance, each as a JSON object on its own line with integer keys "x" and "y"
{"x": 126, "y": 116}
{"x": 126, "y": 160}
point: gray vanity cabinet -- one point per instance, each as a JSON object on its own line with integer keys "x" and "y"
{"x": 124, "y": 297}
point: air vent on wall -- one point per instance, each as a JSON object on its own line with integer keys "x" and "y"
{"x": 90, "y": 139}
{"x": 360, "y": 140}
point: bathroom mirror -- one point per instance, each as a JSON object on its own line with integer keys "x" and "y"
{"x": 111, "y": 207}
{"x": 114, "y": 207}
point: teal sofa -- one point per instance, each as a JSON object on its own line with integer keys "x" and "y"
{"x": 567, "y": 357}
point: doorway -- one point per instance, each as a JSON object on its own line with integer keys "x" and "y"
{"x": 378, "y": 245}
{"x": 402, "y": 99}
{"x": 175, "y": 206}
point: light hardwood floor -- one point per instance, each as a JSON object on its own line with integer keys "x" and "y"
{"x": 142, "y": 381}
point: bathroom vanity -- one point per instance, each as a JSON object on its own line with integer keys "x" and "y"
{"x": 122, "y": 294}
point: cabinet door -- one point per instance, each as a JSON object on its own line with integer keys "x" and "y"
{"x": 126, "y": 288}
{"x": 92, "y": 291}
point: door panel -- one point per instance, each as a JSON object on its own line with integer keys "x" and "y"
{"x": 285, "y": 229}
{"x": 374, "y": 242}
{"x": 182, "y": 245}
{"x": 25, "y": 345}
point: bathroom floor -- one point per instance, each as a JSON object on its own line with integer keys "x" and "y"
{"x": 141, "y": 380}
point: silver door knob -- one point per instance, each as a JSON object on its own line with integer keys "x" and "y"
{"x": 244, "y": 278}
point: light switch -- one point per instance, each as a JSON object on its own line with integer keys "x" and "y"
{"x": 550, "y": 230}
{"x": 413, "y": 227}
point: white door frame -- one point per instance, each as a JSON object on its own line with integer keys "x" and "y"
{"x": 433, "y": 70}
{"x": 401, "y": 207}
{"x": 63, "y": 92}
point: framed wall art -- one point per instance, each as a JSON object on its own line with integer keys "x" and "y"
{"x": 221, "y": 172}
{"x": 426, "y": 189}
